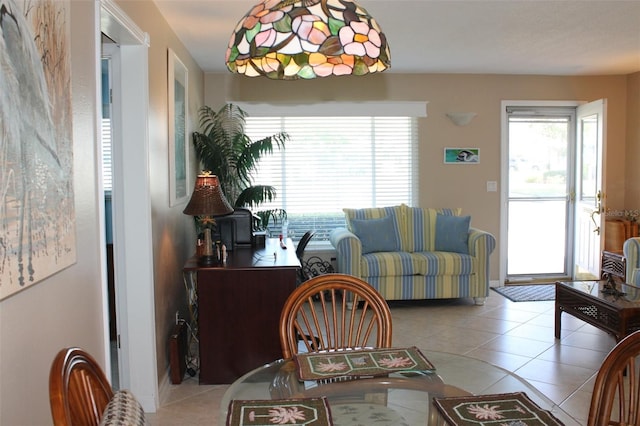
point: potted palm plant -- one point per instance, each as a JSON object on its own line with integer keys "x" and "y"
{"x": 223, "y": 148}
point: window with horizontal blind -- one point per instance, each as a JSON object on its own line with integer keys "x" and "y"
{"x": 107, "y": 168}
{"x": 331, "y": 163}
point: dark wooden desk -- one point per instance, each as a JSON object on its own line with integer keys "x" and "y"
{"x": 239, "y": 308}
{"x": 617, "y": 315}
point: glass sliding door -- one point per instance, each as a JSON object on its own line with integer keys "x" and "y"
{"x": 540, "y": 179}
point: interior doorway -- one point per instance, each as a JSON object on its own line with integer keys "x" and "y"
{"x": 132, "y": 218}
{"x": 109, "y": 51}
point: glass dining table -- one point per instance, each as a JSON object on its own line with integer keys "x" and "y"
{"x": 401, "y": 398}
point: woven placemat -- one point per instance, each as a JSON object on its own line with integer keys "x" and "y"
{"x": 302, "y": 411}
{"x": 496, "y": 409}
{"x": 361, "y": 363}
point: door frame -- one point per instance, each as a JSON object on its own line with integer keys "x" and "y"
{"x": 133, "y": 253}
{"x": 504, "y": 169}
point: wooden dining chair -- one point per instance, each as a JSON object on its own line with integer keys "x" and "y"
{"x": 334, "y": 311}
{"x": 79, "y": 391}
{"x": 616, "y": 393}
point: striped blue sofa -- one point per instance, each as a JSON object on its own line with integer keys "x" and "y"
{"x": 416, "y": 270}
{"x": 631, "y": 252}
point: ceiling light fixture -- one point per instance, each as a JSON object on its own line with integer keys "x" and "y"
{"x": 305, "y": 39}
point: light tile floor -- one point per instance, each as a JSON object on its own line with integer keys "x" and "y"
{"x": 516, "y": 336}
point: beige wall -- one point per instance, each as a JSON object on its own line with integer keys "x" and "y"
{"x": 441, "y": 185}
{"x": 632, "y": 178}
{"x": 67, "y": 308}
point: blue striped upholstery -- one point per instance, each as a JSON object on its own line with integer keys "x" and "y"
{"x": 631, "y": 252}
{"x": 419, "y": 263}
{"x": 420, "y": 227}
{"x": 416, "y": 272}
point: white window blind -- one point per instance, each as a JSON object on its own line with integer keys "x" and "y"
{"x": 330, "y": 163}
{"x": 107, "y": 167}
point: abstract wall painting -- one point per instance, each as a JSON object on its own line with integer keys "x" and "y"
{"x": 37, "y": 211}
{"x": 462, "y": 155}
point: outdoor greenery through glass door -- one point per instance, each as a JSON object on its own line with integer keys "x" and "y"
{"x": 538, "y": 202}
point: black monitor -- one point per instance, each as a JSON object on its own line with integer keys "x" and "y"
{"x": 236, "y": 229}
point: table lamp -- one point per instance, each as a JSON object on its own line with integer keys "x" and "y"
{"x": 207, "y": 202}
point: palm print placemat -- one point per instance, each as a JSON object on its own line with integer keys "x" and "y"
{"x": 360, "y": 363}
{"x": 497, "y": 409}
{"x": 303, "y": 411}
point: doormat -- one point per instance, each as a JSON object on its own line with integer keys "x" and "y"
{"x": 527, "y": 293}
{"x": 499, "y": 409}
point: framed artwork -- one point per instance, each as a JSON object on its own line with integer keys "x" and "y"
{"x": 37, "y": 208}
{"x": 461, "y": 155}
{"x": 178, "y": 86}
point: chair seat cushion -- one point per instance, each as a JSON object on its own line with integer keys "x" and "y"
{"x": 123, "y": 409}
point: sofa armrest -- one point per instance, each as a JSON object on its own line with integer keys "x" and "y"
{"x": 631, "y": 252}
{"x": 481, "y": 243}
{"x": 348, "y": 251}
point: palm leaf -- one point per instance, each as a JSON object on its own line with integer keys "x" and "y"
{"x": 278, "y": 215}
{"x": 253, "y": 196}
{"x": 253, "y": 152}
{"x": 224, "y": 149}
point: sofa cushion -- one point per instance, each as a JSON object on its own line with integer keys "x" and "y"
{"x": 452, "y": 233}
{"x": 416, "y": 226}
{"x": 420, "y": 225}
{"x": 391, "y": 264}
{"x": 376, "y": 234}
{"x": 447, "y": 263}
{"x": 427, "y": 263}
{"x": 372, "y": 213}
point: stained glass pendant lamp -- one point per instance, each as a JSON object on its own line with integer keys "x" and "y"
{"x": 305, "y": 39}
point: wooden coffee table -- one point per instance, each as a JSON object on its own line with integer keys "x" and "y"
{"x": 618, "y": 315}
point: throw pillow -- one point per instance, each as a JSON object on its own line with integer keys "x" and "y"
{"x": 123, "y": 409}
{"x": 452, "y": 233}
{"x": 376, "y": 234}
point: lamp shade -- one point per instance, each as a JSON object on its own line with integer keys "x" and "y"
{"x": 207, "y": 198}
{"x": 305, "y": 39}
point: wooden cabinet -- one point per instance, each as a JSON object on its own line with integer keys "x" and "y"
{"x": 239, "y": 308}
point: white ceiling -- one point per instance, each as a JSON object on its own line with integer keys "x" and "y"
{"x": 550, "y": 37}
